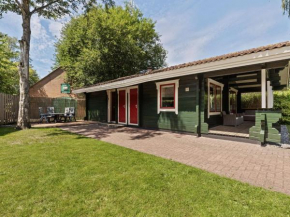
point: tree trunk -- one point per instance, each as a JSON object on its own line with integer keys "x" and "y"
{"x": 23, "y": 113}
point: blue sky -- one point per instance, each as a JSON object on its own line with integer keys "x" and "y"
{"x": 189, "y": 29}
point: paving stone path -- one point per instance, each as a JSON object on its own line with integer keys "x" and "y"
{"x": 267, "y": 167}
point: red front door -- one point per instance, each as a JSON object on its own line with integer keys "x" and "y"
{"x": 122, "y": 106}
{"x": 134, "y": 106}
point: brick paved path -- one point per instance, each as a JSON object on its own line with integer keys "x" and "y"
{"x": 267, "y": 167}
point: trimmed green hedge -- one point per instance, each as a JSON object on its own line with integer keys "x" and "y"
{"x": 251, "y": 100}
{"x": 281, "y": 102}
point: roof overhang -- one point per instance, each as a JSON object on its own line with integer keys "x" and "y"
{"x": 262, "y": 57}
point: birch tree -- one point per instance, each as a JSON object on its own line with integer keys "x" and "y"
{"x": 49, "y": 9}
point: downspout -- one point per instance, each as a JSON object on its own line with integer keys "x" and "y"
{"x": 87, "y": 110}
{"x": 200, "y": 80}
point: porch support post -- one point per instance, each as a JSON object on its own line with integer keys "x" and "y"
{"x": 270, "y": 95}
{"x": 140, "y": 104}
{"x": 225, "y": 95}
{"x": 117, "y": 105}
{"x": 263, "y": 88}
{"x": 239, "y": 102}
{"x": 87, "y": 107}
{"x": 200, "y": 86}
{"x": 109, "y": 106}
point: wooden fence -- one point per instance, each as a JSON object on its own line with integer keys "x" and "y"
{"x": 9, "y": 107}
{"x": 59, "y": 104}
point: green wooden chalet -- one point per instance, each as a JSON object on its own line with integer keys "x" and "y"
{"x": 198, "y": 97}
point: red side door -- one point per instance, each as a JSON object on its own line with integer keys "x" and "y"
{"x": 122, "y": 106}
{"x": 134, "y": 106}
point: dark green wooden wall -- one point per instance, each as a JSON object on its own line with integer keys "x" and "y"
{"x": 97, "y": 106}
{"x": 185, "y": 120}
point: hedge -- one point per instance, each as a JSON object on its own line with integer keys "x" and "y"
{"x": 281, "y": 102}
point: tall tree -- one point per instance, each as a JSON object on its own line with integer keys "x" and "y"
{"x": 9, "y": 56}
{"x": 286, "y": 6}
{"x": 50, "y": 9}
{"x": 105, "y": 44}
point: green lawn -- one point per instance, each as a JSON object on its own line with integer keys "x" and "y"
{"x": 49, "y": 172}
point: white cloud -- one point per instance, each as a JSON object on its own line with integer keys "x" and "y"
{"x": 40, "y": 38}
{"x": 187, "y": 39}
{"x": 11, "y": 24}
{"x": 55, "y": 28}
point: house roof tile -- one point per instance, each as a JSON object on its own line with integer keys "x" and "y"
{"x": 199, "y": 62}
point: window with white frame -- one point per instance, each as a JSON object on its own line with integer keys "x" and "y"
{"x": 167, "y": 96}
{"x": 214, "y": 97}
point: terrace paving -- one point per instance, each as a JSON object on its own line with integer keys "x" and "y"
{"x": 267, "y": 167}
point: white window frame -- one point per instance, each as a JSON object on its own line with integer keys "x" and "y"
{"x": 129, "y": 105}
{"x": 211, "y": 81}
{"x": 176, "y": 84}
{"x": 109, "y": 104}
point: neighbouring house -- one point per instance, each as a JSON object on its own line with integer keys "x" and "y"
{"x": 198, "y": 97}
{"x": 52, "y": 86}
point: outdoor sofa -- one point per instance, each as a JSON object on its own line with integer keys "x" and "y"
{"x": 232, "y": 119}
{"x": 249, "y": 115}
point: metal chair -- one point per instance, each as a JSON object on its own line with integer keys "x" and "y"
{"x": 72, "y": 113}
{"x": 50, "y": 113}
{"x": 66, "y": 113}
{"x": 42, "y": 115}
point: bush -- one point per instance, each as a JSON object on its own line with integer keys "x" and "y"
{"x": 282, "y": 102}
{"x": 251, "y": 100}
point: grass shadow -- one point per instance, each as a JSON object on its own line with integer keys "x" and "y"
{"x": 101, "y": 132}
{"x": 61, "y": 132}
{"x": 4, "y": 130}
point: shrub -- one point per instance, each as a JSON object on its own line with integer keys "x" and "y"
{"x": 282, "y": 102}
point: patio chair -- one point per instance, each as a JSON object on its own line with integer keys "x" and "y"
{"x": 72, "y": 114}
{"x": 69, "y": 113}
{"x": 50, "y": 112}
{"x": 66, "y": 113}
{"x": 232, "y": 119}
{"x": 42, "y": 115}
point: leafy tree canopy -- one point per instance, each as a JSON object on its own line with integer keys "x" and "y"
{"x": 48, "y": 8}
{"x": 9, "y": 56}
{"x": 286, "y": 6}
{"x": 107, "y": 43}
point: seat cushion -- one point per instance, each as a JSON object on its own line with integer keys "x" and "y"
{"x": 250, "y": 112}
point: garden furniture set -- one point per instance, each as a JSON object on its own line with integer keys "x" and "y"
{"x": 68, "y": 115}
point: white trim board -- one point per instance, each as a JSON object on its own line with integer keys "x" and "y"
{"x": 109, "y": 104}
{"x": 246, "y": 60}
{"x": 263, "y": 88}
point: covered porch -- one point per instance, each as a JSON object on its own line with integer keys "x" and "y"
{"x": 241, "y": 130}
{"x": 225, "y": 110}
